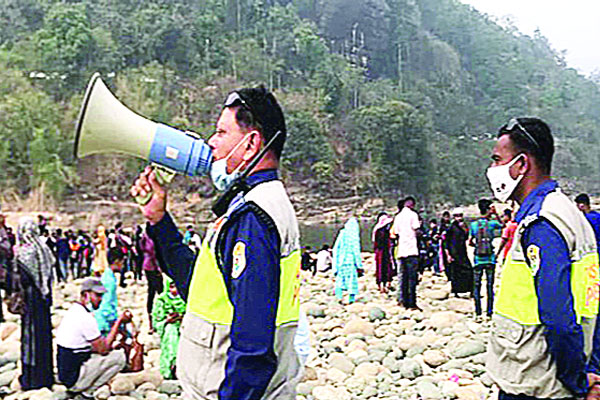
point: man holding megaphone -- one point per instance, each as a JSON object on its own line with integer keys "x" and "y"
{"x": 242, "y": 289}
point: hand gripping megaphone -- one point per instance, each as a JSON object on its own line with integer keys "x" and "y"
{"x": 105, "y": 125}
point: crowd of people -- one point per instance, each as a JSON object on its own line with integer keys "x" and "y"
{"x": 94, "y": 340}
{"x": 405, "y": 246}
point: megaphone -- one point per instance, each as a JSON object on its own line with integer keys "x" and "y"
{"x": 105, "y": 125}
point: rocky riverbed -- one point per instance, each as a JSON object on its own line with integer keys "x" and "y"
{"x": 373, "y": 349}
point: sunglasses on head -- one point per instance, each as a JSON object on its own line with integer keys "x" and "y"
{"x": 234, "y": 99}
{"x": 514, "y": 123}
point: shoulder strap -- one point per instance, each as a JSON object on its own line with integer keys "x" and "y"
{"x": 249, "y": 206}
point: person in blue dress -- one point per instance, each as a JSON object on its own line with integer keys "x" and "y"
{"x": 347, "y": 260}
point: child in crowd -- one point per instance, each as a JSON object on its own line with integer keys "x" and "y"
{"x": 167, "y": 314}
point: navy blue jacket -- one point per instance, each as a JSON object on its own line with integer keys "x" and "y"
{"x": 251, "y": 360}
{"x": 553, "y": 285}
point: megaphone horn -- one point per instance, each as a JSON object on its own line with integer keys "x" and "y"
{"x": 105, "y": 125}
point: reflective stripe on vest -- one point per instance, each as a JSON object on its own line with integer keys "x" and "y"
{"x": 590, "y": 291}
{"x": 517, "y": 298}
{"x": 208, "y": 297}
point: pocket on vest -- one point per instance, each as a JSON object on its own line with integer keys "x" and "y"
{"x": 194, "y": 354}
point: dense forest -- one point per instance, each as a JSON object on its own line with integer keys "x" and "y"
{"x": 381, "y": 96}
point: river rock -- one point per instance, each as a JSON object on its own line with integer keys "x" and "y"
{"x": 464, "y": 306}
{"x": 471, "y": 392}
{"x": 305, "y": 388}
{"x": 152, "y": 395}
{"x": 428, "y": 390}
{"x": 359, "y": 325}
{"x": 145, "y": 388}
{"x": 170, "y": 387}
{"x": 449, "y": 389}
{"x": 434, "y": 358}
{"x": 7, "y": 377}
{"x": 122, "y": 385}
{"x": 376, "y": 313}
{"x": 439, "y": 294}
{"x": 40, "y": 394}
{"x": 369, "y": 392}
{"x": 357, "y": 344}
{"x": 316, "y": 312}
{"x": 341, "y": 362}
{"x": 309, "y": 374}
{"x": 11, "y": 357}
{"x": 102, "y": 393}
{"x": 147, "y": 375}
{"x": 410, "y": 369}
{"x": 391, "y": 363}
{"x": 335, "y": 375}
{"x": 152, "y": 357}
{"x": 62, "y": 395}
{"x": 377, "y": 355}
{"x": 325, "y": 393}
{"x": 8, "y": 367}
{"x": 468, "y": 349}
{"x": 367, "y": 370}
{"x": 7, "y": 329}
{"x": 444, "y": 319}
{"x": 15, "y": 385}
{"x": 475, "y": 369}
{"x": 480, "y": 358}
{"x": 10, "y": 346}
{"x": 415, "y": 350}
{"x": 406, "y": 342}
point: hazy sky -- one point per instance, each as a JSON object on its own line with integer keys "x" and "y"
{"x": 572, "y": 25}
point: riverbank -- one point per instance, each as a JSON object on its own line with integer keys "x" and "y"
{"x": 373, "y": 349}
{"x": 87, "y": 211}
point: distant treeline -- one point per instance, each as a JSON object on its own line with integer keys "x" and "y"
{"x": 381, "y": 96}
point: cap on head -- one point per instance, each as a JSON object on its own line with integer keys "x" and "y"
{"x": 93, "y": 285}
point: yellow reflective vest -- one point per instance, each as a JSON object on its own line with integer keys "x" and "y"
{"x": 205, "y": 334}
{"x": 518, "y": 360}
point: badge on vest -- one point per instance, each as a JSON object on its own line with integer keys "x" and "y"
{"x": 239, "y": 260}
{"x": 533, "y": 255}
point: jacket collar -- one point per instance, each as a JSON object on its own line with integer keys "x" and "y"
{"x": 533, "y": 202}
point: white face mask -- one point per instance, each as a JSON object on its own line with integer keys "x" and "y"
{"x": 501, "y": 183}
{"x": 218, "y": 170}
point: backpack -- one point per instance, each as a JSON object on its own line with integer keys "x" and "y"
{"x": 483, "y": 243}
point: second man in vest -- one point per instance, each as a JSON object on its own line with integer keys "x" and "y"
{"x": 543, "y": 344}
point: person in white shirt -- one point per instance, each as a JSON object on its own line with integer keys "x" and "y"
{"x": 324, "y": 259}
{"x": 404, "y": 229}
{"x": 85, "y": 360}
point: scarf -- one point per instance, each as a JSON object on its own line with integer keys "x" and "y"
{"x": 34, "y": 256}
{"x": 381, "y": 222}
{"x": 347, "y": 245}
{"x": 176, "y": 303}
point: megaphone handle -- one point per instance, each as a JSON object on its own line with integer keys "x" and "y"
{"x": 164, "y": 176}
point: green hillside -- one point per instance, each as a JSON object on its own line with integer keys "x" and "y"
{"x": 381, "y": 96}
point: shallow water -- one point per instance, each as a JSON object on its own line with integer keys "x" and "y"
{"x": 316, "y": 235}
